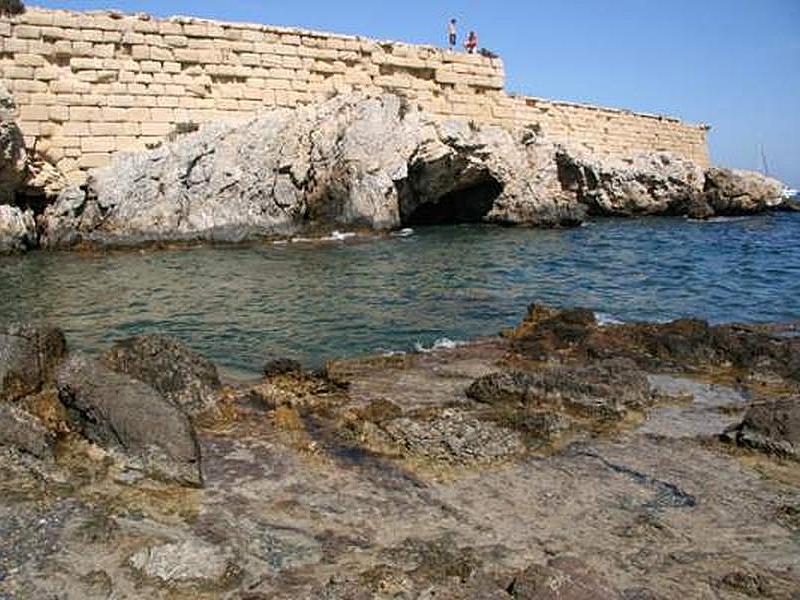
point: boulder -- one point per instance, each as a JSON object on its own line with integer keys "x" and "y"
{"x": 29, "y": 356}
{"x": 603, "y": 390}
{"x": 734, "y": 192}
{"x": 17, "y": 229}
{"x": 179, "y": 374}
{"x": 23, "y": 431}
{"x": 120, "y": 413}
{"x": 771, "y": 426}
{"x": 649, "y": 184}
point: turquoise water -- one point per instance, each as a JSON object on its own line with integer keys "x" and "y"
{"x": 239, "y": 305}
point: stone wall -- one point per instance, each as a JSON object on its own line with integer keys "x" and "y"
{"x": 91, "y": 84}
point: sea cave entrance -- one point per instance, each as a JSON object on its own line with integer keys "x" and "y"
{"x": 447, "y": 192}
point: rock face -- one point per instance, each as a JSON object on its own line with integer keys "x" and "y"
{"x": 121, "y": 413}
{"x": 13, "y": 158}
{"x": 772, "y": 426}
{"x": 651, "y": 184}
{"x": 17, "y": 229}
{"x": 29, "y": 356}
{"x": 563, "y": 578}
{"x": 371, "y": 162}
{"x": 179, "y": 374}
{"x": 736, "y": 192}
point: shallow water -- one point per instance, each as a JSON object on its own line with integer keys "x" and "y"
{"x": 239, "y": 305}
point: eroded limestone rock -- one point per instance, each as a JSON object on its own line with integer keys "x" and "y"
{"x": 17, "y": 229}
{"x": 23, "y": 431}
{"x": 179, "y": 374}
{"x": 121, "y": 413}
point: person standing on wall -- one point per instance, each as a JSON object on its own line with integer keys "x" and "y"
{"x": 452, "y": 34}
{"x": 472, "y": 42}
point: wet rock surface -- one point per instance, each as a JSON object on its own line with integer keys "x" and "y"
{"x": 179, "y": 374}
{"x": 688, "y": 345}
{"x": 124, "y": 414}
{"x": 480, "y": 471}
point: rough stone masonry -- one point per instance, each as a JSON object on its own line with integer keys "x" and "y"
{"x": 89, "y": 85}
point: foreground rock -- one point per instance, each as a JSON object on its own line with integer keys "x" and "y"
{"x": 120, "y": 413}
{"x": 684, "y": 344}
{"x": 732, "y": 192}
{"x": 21, "y": 430}
{"x": 29, "y": 356}
{"x": 771, "y": 426}
{"x": 179, "y": 374}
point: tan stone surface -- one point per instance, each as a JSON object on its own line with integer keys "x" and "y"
{"x": 90, "y": 84}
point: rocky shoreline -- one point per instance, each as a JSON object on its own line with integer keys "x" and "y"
{"x": 563, "y": 459}
{"x": 353, "y": 162}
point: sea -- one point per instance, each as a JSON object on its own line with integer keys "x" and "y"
{"x": 414, "y": 290}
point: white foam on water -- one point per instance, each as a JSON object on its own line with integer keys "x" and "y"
{"x": 604, "y": 319}
{"x": 441, "y": 343}
{"x": 405, "y": 232}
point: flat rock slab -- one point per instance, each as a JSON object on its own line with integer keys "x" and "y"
{"x": 186, "y": 562}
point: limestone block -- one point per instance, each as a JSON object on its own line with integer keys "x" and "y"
{"x": 25, "y": 86}
{"x": 81, "y": 48}
{"x": 92, "y": 35}
{"x": 162, "y": 115}
{"x": 44, "y": 98}
{"x": 176, "y": 41}
{"x": 202, "y": 44}
{"x": 195, "y": 30}
{"x": 251, "y": 35}
{"x": 93, "y": 160}
{"x": 159, "y": 129}
{"x": 142, "y": 26}
{"x": 62, "y": 48}
{"x": 170, "y": 28}
{"x": 168, "y": 101}
{"x": 143, "y": 78}
{"x": 34, "y": 113}
{"x": 150, "y": 66}
{"x": 29, "y": 60}
{"x": 12, "y": 45}
{"x": 27, "y": 32}
{"x": 15, "y": 72}
{"x": 161, "y": 54}
{"x": 122, "y": 100}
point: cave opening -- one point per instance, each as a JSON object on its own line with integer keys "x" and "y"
{"x": 464, "y": 205}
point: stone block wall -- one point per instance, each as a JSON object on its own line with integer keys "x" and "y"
{"x": 91, "y": 84}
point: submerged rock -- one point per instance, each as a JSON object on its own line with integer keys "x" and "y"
{"x": 281, "y": 366}
{"x": 771, "y": 426}
{"x": 121, "y": 413}
{"x": 29, "y": 356}
{"x": 179, "y": 374}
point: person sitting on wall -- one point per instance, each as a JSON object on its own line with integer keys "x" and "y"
{"x": 452, "y": 34}
{"x": 472, "y": 42}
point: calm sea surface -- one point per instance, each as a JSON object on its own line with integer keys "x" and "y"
{"x": 240, "y": 305}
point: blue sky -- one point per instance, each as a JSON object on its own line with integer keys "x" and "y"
{"x": 734, "y": 64}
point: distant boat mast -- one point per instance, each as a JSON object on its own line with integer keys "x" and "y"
{"x": 764, "y": 164}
